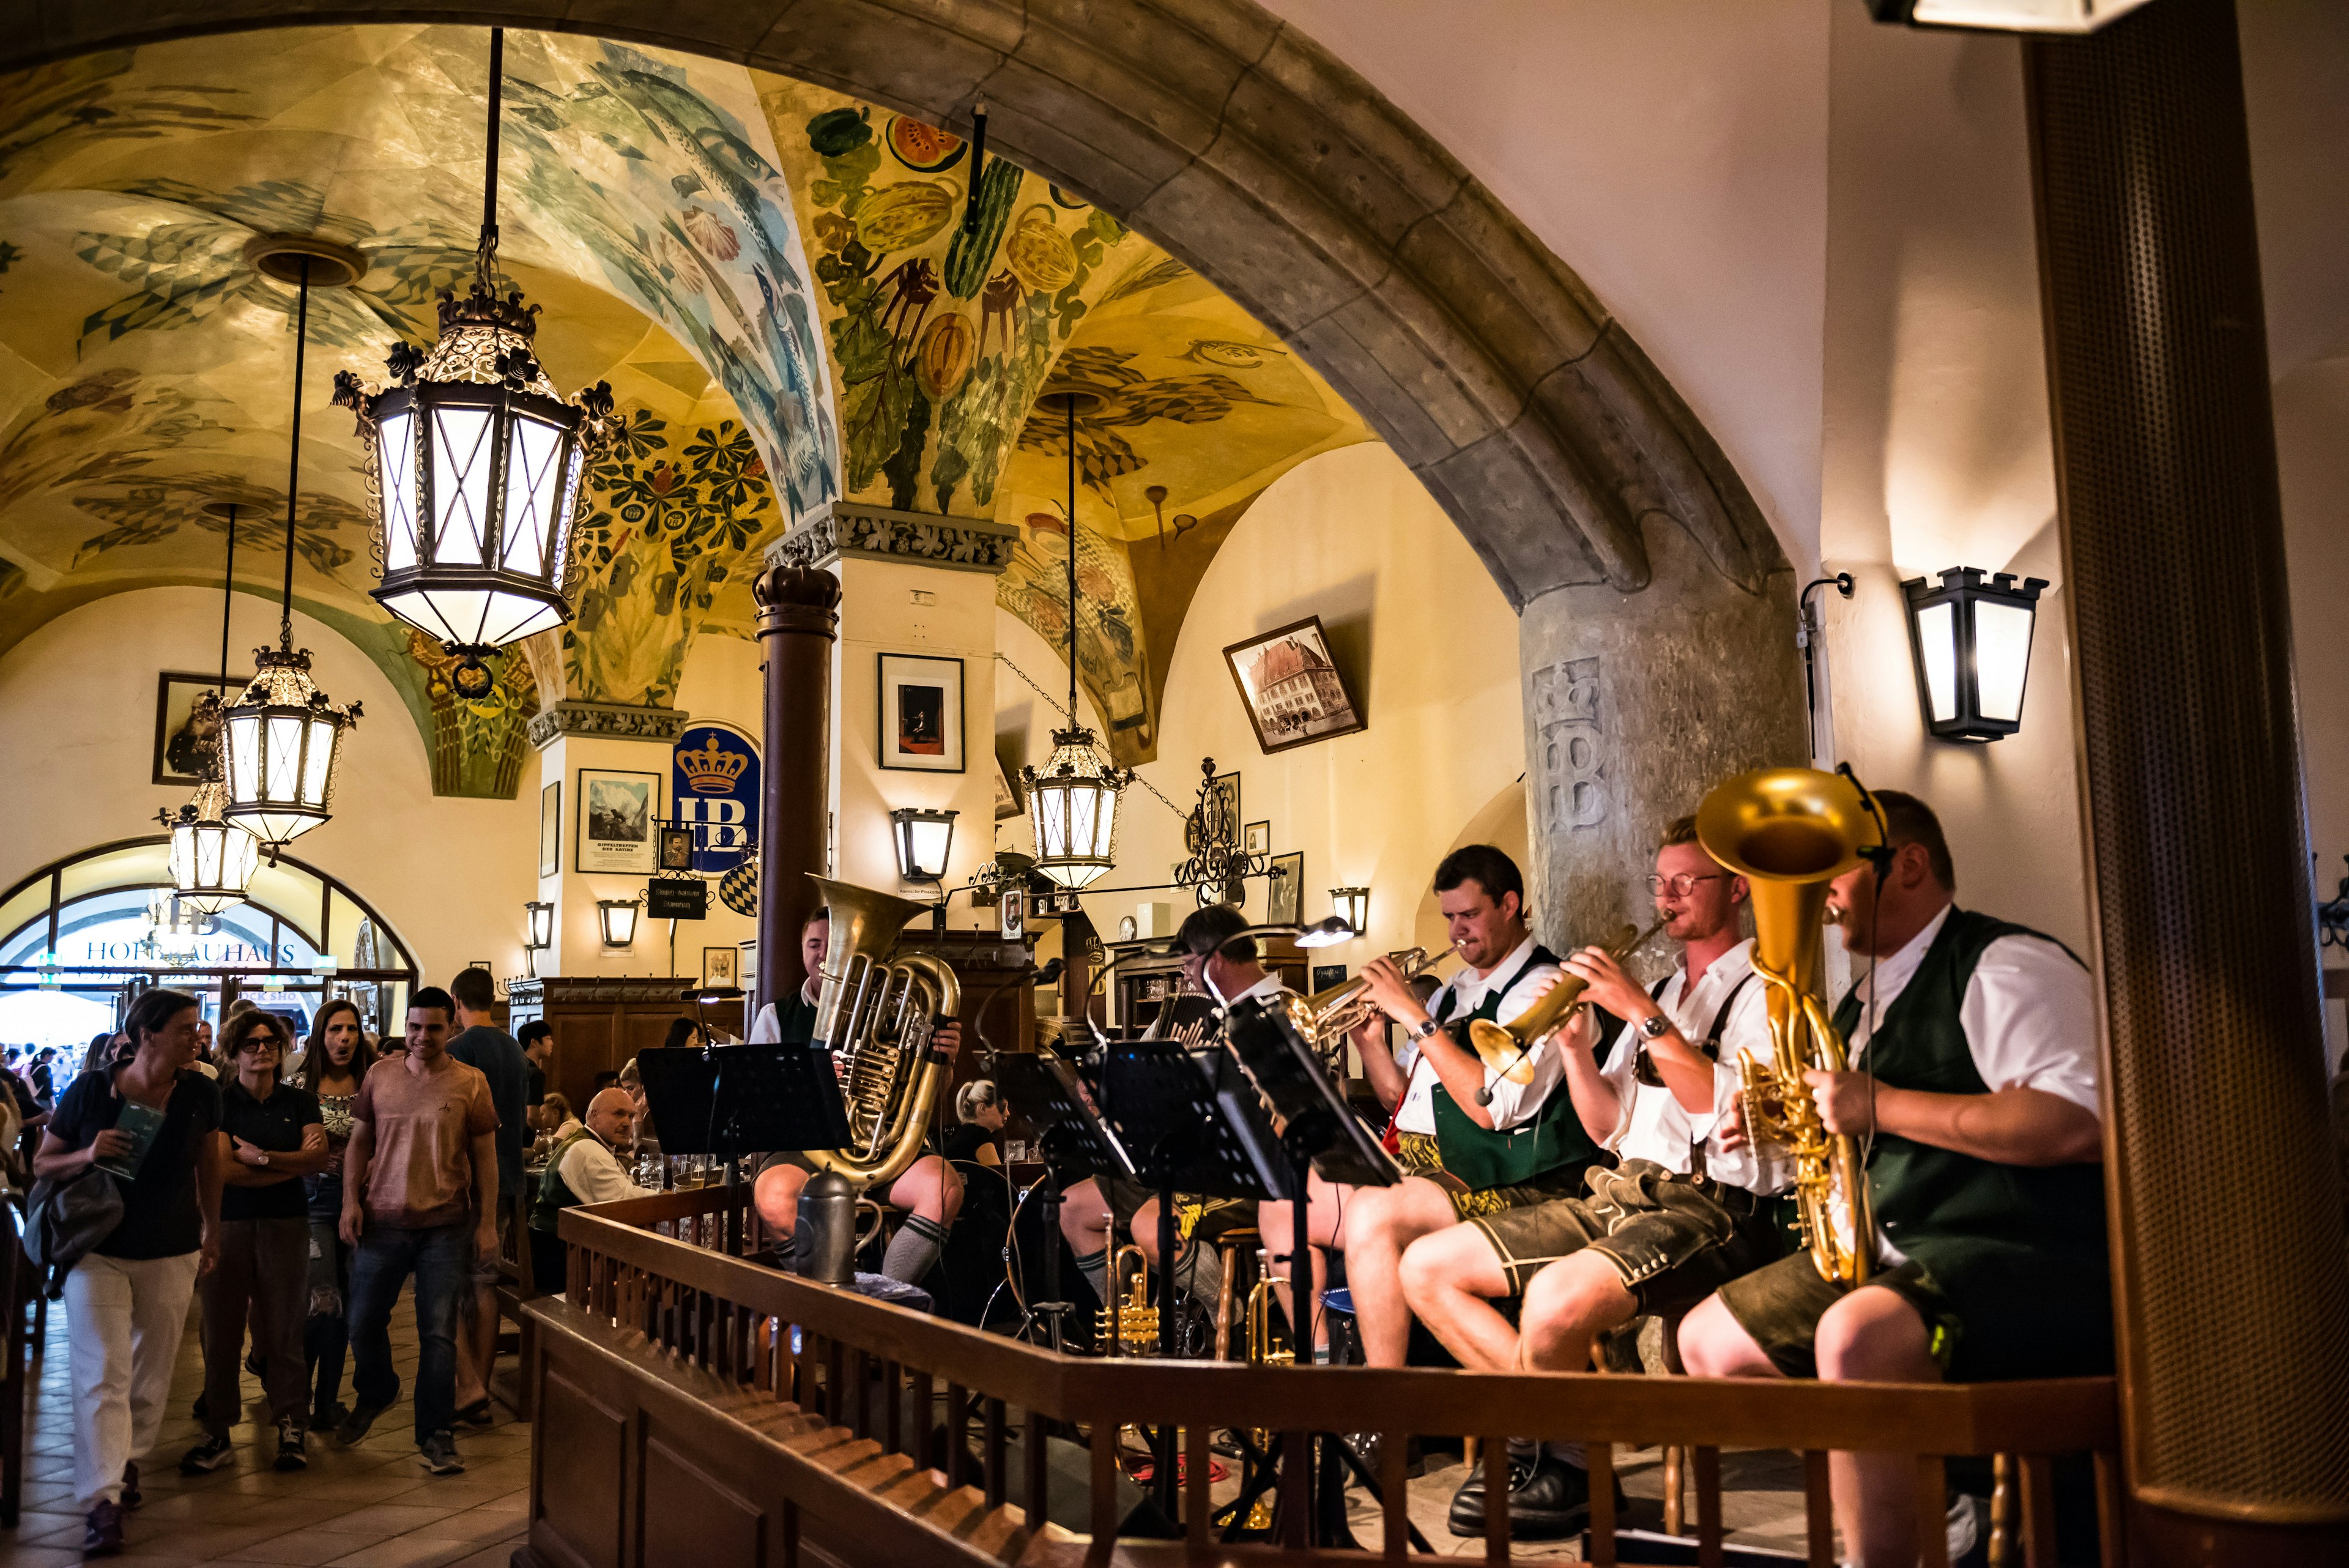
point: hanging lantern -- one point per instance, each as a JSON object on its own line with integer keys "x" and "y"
{"x": 212, "y": 859}
{"x": 280, "y": 737}
{"x": 473, "y": 464}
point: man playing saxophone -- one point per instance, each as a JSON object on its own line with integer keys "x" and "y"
{"x": 1974, "y": 1089}
{"x": 1677, "y": 1219}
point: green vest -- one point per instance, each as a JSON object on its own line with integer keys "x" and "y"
{"x": 1935, "y": 1204}
{"x": 555, "y": 1194}
{"x": 1483, "y": 1158}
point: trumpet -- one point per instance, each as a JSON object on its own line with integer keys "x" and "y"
{"x": 1328, "y": 1016}
{"x": 1137, "y": 1321}
{"x": 1508, "y": 1048}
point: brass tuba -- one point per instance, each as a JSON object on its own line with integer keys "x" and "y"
{"x": 876, "y": 1015}
{"x": 1789, "y": 832}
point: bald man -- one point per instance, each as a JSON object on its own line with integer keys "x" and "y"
{"x": 584, "y": 1168}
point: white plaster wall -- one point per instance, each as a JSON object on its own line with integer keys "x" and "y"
{"x": 76, "y": 739}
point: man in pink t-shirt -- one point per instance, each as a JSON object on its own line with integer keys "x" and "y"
{"x": 420, "y": 1199}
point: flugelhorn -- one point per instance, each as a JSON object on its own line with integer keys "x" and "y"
{"x": 1508, "y": 1049}
{"x": 1328, "y": 1016}
{"x": 1789, "y": 832}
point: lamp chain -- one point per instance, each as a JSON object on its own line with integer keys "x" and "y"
{"x": 485, "y": 258}
{"x": 1005, "y": 659}
{"x": 294, "y": 462}
{"x": 1071, "y": 400}
{"x": 228, "y": 594}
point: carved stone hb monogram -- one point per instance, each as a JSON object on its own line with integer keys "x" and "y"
{"x": 1573, "y": 744}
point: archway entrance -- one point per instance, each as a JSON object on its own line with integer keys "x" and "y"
{"x": 83, "y": 935}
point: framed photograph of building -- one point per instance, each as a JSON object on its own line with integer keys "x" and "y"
{"x": 186, "y": 734}
{"x": 921, "y": 714}
{"x": 719, "y": 968}
{"x": 1290, "y": 688}
{"x": 617, "y": 814}
{"x": 550, "y": 829}
{"x": 1284, "y": 895}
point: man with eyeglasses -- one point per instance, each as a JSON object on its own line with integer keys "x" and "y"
{"x": 1683, "y": 1213}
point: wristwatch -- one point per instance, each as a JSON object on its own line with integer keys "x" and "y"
{"x": 1422, "y": 1030}
{"x": 1655, "y": 1027}
{"x": 264, "y": 1156}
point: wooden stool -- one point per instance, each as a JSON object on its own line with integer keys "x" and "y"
{"x": 1237, "y": 1247}
{"x": 1675, "y": 1455}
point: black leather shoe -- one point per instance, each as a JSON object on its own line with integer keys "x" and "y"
{"x": 1549, "y": 1500}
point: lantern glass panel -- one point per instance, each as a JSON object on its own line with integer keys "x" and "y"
{"x": 240, "y": 739}
{"x": 534, "y": 451}
{"x": 926, "y": 847}
{"x": 1937, "y": 643}
{"x": 508, "y": 618}
{"x": 282, "y": 764}
{"x": 462, "y": 450}
{"x": 318, "y": 762}
{"x": 1084, "y": 819}
{"x": 395, "y": 461}
{"x": 559, "y": 535}
{"x": 1053, "y": 819}
{"x": 2002, "y": 659}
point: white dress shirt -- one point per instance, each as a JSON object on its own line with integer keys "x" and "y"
{"x": 1653, "y": 1125}
{"x": 2029, "y": 1014}
{"x": 1512, "y": 1103}
{"x": 593, "y": 1173}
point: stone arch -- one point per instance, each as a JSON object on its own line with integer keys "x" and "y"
{"x": 1254, "y": 156}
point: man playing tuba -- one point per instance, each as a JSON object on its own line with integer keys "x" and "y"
{"x": 1975, "y": 1093}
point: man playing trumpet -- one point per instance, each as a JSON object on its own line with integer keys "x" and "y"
{"x": 1678, "y": 1218}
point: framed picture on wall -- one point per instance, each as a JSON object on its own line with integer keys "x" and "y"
{"x": 1290, "y": 688}
{"x": 676, "y": 848}
{"x": 921, "y": 714}
{"x": 1284, "y": 897}
{"x": 185, "y": 735}
{"x": 1326, "y": 975}
{"x": 1258, "y": 838}
{"x": 550, "y": 829}
{"x": 617, "y": 812}
{"x": 1014, "y": 915}
{"x": 717, "y": 968}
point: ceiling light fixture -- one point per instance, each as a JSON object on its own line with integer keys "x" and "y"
{"x": 212, "y": 859}
{"x": 281, "y": 738}
{"x": 474, "y": 463}
{"x": 1073, "y": 797}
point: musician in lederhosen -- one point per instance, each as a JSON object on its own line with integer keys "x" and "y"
{"x": 1474, "y": 1142}
{"x": 1676, "y": 1218}
{"x": 1975, "y": 1087}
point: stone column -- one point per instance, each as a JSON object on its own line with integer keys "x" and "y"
{"x": 1636, "y": 704}
{"x": 2228, "y": 1280}
{"x": 799, "y": 617}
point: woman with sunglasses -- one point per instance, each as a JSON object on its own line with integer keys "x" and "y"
{"x": 331, "y": 1069}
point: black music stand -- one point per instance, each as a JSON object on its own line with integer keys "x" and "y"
{"x": 734, "y": 1100}
{"x": 1075, "y": 1141}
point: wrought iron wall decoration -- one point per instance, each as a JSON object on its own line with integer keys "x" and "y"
{"x": 1220, "y": 864}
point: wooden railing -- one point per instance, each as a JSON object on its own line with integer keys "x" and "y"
{"x": 720, "y": 1362}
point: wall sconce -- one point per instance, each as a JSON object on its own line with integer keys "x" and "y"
{"x": 923, "y": 838}
{"x": 619, "y": 919}
{"x": 2073, "y": 17}
{"x": 1353, "y": 907}
{"x": 1973, "y": 646}
{"x": 542, "y": 926}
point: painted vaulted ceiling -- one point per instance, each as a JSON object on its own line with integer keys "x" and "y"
{"x": 777, "y": 281}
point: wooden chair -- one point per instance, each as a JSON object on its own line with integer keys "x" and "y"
{"x": 515, "y": 1285}
{"x": 1238, "y": 1250}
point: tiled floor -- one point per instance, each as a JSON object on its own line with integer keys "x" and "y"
{"x": 368, "y": 1506}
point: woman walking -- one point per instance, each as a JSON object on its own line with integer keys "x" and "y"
{"x": 272, "y": 1135}
{"x": 127, "y": 1300}
{"x": 331, "y": 1069}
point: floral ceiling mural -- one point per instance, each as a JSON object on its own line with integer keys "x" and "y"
{"x": 780, "y": 284}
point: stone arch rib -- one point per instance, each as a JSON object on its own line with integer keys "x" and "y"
{"x": 1249, "y": 152}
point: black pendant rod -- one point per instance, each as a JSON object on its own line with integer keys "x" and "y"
{"x": 1071, "y": 401}
{"x": 294, "y": 461}
{"x": 228, "y": 594}
{"x": 489, "y": 250}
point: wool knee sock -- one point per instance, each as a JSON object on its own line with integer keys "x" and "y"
{"x": 1094, "y": 1266}
{"x": 913, "y": 1249}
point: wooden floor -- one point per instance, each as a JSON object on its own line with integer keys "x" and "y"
{"x": 368, "y": 1506}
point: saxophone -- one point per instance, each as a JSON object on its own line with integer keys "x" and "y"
{"x": 1789, "y": 832}
{"x": 876, "y": 1015}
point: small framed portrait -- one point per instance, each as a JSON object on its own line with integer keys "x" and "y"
{"x": 187, "y": 732}
{"x": 1257, "y": 839}
{"x": 1290, "y": 688}
{"x": 1284, "y": 897}
{"x": 921, "y": 714}
{"x": 1326, "y": 975}
{"x": 676, "y": 848}
{"x": 719, "y": 967}
{"x": 1008, "y": 803}
{"x": 1012, "y": 915}
{"x": 618, "y": 812}
{"x": 550, "y": 829}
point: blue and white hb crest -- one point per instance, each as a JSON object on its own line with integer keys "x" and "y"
{"x": 714, "y": 781}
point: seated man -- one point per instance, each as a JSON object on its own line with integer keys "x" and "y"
{"x": 585, "y": 1167}
{"x": 1975, "y": 1091}
{"x": 929, "y": 1191}
{"x": 1676, "y": 1219}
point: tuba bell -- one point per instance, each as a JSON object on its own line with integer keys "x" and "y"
{"x": 1789, "y": 832}
{"x": 876, "y": 1015}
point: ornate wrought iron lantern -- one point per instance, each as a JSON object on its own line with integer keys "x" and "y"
{"x": 474, "y": 463}
{"x": 212, "y": 859}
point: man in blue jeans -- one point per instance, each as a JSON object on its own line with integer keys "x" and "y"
{"x": 419, "y": 1198}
